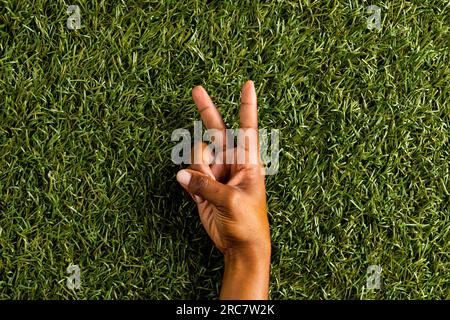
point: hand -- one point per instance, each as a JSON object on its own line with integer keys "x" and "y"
{"x": 231, "y": 199}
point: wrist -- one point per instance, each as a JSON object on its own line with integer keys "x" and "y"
{"x": 246, "y": 274}
{"x": 249, "y": 254}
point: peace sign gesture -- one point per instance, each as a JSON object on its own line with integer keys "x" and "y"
{"x": 230, "y": 196}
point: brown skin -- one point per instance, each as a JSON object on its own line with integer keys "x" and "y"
{"x": 231, "y": 201}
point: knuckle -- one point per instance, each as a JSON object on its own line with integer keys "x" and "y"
{"x": 233, "y": 199}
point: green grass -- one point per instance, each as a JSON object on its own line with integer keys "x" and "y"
{"x": 86, "y": 118}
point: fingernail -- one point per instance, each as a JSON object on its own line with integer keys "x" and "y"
{"x": 184, "y": 177}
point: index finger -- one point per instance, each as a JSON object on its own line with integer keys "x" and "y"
{"x": 208, "y": 112}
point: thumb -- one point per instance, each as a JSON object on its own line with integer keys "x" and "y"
{"x": 204, "y": 186}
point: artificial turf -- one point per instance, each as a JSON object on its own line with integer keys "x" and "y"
{"x": 86, "y": 118}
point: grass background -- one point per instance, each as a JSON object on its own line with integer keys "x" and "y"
{"x": 86, "y": 118}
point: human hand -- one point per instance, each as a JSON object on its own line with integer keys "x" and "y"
{"x": 231, "y": 199}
